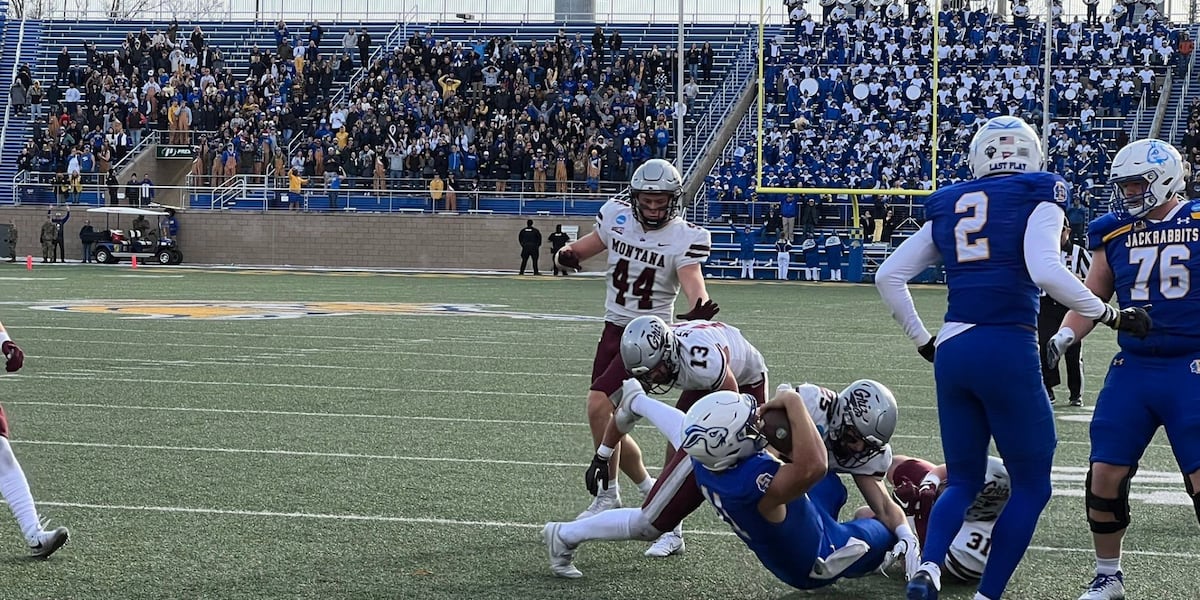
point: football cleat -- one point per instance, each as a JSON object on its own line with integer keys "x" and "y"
{"x": 667, "y": 544}
{"x": 921, "y": 587}
{"x": 1076, "y": 401}
{"x": 605, "y": 500}
{"x": 46, "y": 543}
{"x": 560, "y": 553}
{"x": 1105, "y": 587}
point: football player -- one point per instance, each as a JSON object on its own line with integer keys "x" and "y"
{"x": 787, "y": 514}
{"x": 13, "y": 486}
{"x": 1145, "y": 251}
{"x": 998, "y": 237}
{"x": 652, "y": 253}
{"x": 698, "y": 356}
{"x": 917, "y": 483}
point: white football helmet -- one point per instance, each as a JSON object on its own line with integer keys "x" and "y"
{"x": 648, "y": 349}
{"x": 997, "y": 487}
{"x": 1005, "y": 145}
{"x": 1155, "y": 163}
{"x": 657, "y": 175}
{"x": 864, "y": 420}
{"x": 721, "y": 430}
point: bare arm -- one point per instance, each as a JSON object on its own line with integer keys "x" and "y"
{"x": 795, "y": 478}
{"x": 587, "y": 246}
{"x": 691, "y": 280}
{"x": 885, "y": 508}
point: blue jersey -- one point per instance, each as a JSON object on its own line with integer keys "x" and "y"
{"x": 1152, "y": 263}
{"x": 788, "y": 549}
{"x": 979, "y": 229}
{"x": 809, "y": 548}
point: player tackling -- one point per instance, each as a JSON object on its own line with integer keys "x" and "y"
{"x": 652, "y": 253}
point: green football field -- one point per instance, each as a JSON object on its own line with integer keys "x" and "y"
{"x": 384, "y": 436}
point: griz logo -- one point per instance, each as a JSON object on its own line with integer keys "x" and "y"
{"x": 713, "y": 438}
{"x": 859, "y": 402}
{"x": 989, "y": 502}
{"x": 655, "y": 338}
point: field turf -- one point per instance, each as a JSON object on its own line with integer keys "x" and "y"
{"x": 412, "y": 447}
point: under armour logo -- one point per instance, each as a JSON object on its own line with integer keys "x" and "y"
{"x": 1182, "y": 221}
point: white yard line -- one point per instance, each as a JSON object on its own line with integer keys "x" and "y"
{"x": 458, "y": 420}
{"x": 462, "y": 522}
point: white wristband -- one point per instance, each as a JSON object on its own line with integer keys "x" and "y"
{"x": 604, "y": 452}
{"x": 3, "y": 336}
{"x": 904, "y": 531}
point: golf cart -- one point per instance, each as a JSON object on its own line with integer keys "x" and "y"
{"x": 114, "y": 244}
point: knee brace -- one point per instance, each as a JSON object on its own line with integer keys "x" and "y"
{"x": 1119, "y": 506}
{"x": 1195, "y": 494}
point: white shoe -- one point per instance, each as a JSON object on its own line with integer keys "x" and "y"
{"x": 666, "y": 545}
{"x": 46, "y": 543}
{"x": 560, "y": 553}
{"x": 602, "y": 502}
{"x": 1106, "y": 587}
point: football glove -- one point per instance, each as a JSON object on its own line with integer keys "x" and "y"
{"x": 928, "y": 350}
{"x": 567, "y": 260}
{"x": 1134, "y": 320}
{"x": 596, "y": 475}
{"x": 703, "y": 311}
{"x": 1057, "y": 346}
{"x": 13, "y": 356}
{"x": 910, "y": 549}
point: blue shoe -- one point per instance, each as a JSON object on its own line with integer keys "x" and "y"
{"x": 921, "y": 587}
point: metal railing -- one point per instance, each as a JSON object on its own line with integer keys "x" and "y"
{"x": 515, "y": 11}
{"x": 719, "y": 106}
{"x": 13, "y": 79}
{"x": 1188, "y": 82}
{"x": 146, "y": 142}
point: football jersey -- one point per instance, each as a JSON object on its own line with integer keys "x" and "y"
{"x": 643, "y": 265}
{"x": 978, "y": 227}
{"x": 1152, "y": 263}
{"x": 705, "y": 347}
{"x": 789, "y": 549}
{"x": 820, "y": 403}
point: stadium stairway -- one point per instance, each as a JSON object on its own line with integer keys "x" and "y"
{"x": 1183, "y": 90}
{"x": 19, "y": 129}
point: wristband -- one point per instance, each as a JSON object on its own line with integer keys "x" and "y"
{"x": 604, "y": 452}
{"x": 904, "y": 531}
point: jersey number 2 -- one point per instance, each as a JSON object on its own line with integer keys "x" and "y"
{"x": 973, "y": 206}
{"x": 643, "y": 286}
{"x": 1174, "y": 279}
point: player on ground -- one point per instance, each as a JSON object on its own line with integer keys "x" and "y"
{"x": 698, "y": 356}
{"x": 787, "y": 513}
{"x": 917, "y": 483}
{"x": 1145, "y": 251}
{"x": 998, "y": 237}
{"x": 652, "y": 253}
{"x": 13, "y": 485}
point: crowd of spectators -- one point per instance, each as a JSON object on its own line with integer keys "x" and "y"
{"x": 850, "y": 98}
{"x": 551, "y": 116}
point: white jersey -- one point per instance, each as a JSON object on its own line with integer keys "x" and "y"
{"x": 643, "y": 265}
{"x": 706, "y": 347}
{"x": 969, "y": 550}
{"x": 820, "y": 403}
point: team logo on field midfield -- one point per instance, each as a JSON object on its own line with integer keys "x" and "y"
{"x": 233, "y": 311}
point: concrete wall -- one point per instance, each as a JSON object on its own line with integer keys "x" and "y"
{"x": 332, "y": 240}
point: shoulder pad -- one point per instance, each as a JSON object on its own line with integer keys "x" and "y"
{"x": 1104, "y": 228}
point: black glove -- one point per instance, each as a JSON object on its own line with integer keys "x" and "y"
{"x": 14, "y": 358}
{"x": 596, "y": 475}
{"x": 703, "y": 311}
{"x": 567, "y": 259}
{"x": 1134, "y": 320}
{"x": 928, "y": 350}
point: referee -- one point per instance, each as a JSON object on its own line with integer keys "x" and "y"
{"x": 1050, "y": 319}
